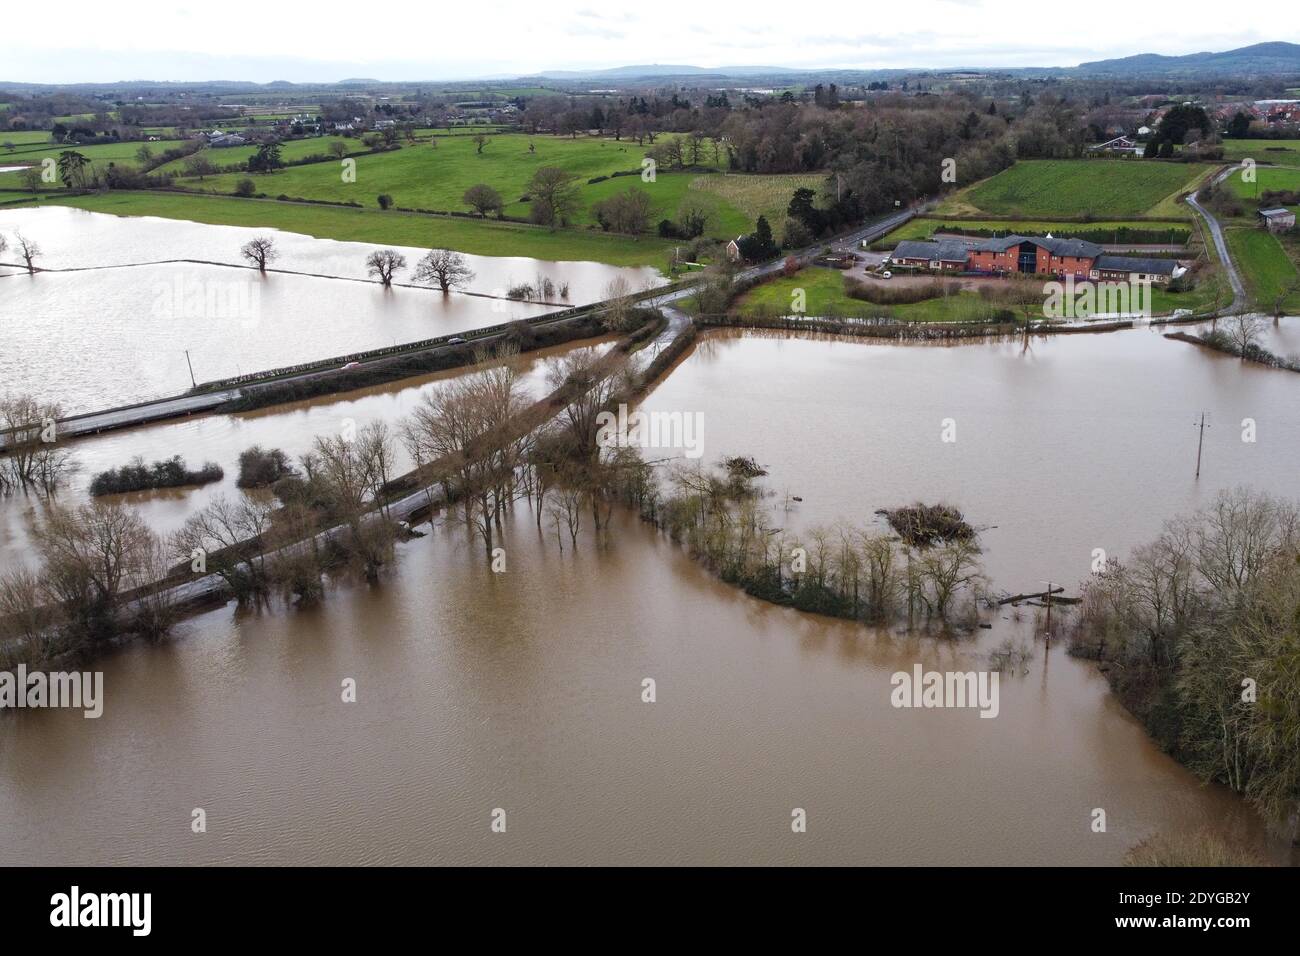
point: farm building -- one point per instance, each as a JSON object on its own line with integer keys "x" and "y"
{"x": 1031, "y": 255}
{"x": 1130, "y": 269}
{"x": 947, "y": 256}
{"x": 1120, "y": 144}
{"x": 1277, "y": 220}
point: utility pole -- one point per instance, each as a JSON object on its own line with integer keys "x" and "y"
{"x": 1047, "y": 600}
{"x": 191, "y": 365}
{"x": 1200, "y": 441}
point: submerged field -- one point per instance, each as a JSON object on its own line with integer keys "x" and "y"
{"x": 1100, "y": 188}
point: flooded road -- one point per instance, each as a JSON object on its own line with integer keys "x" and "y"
{"x": 291, "y": 427}
{"x": 119, "y": 332}
{"x": 522, "y": 690}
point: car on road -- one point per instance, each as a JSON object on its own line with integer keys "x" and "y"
{"x": 350, "y": 366}
{"x": 455, "y": 340}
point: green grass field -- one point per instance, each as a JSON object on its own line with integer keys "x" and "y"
{"x": 924, "y": 228}
{"x": 293, "y": 149}
{"x": 366, "y": 225}
{"x": 423, "y": 176}
{"x": 824, "y": 296}
{"x": 426, "y": 177}
{"x": 824, "y": 291}
{"x": 22, "y": 138}
{"x": 1281, "y": 151}
{"x": 98, "y": 155}
{"x": 1266, "y": 177}
{"x": 1103, "y": 188}
{"x": 1264, "y": 265}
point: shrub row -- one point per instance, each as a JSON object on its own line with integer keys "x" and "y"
{"x": 167, "y": 473}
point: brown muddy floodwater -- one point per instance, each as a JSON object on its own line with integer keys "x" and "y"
{"x": 119, "y": 331}
{"x": 522, "y": 690}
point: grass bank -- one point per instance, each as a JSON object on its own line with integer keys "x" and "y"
{"x": 393, "y": 228}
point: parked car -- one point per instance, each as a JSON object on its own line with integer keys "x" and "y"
{"x": 886, "y": 274}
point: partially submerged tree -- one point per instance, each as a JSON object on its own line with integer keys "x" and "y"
{"x": 33, "y": 457}
{"x": 445, "y": 268}
{"x": 29, "y": 251}
{"x": 228, "y": 535}
{"x": 260, "y": 251}
{"x": 383, "y": 263}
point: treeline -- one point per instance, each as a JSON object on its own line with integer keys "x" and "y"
{"x": 930, "y": 574}
{"x": 1117, "y": 235}
{"x": 1197, "y": 633}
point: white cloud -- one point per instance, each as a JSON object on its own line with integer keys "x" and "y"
{"x": 414, "y": 39}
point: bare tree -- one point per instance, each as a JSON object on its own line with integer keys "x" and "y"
{"x": 346, "y": 479}
{"x": 31, "y": 178}
{"x": 383, "y": 263}
{"x": 33, "y": 458}
{"x": 1244, "y": 331}
{"x": 1280, "y": 298}
{"x": 554, "y": 194}
{"x": 94, "y": 555}
{"x": 445, "y": 267}
{"x": 260, "y": 252}
{"x": 199, "y": 166}
{"x": 228, "y": 536}
{"x": 29, "y": 251}
{"x": 339, "y": 148}
{"x": 480, "y": 141}
{"x": 464, "y": 428}
{"x": 619, "y": 303}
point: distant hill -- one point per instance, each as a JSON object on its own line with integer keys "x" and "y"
{"x": 1277, "y": 57}
{"x": 659, "y": 69}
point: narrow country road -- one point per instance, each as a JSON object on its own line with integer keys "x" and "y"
{"x": 1216, "y": 231}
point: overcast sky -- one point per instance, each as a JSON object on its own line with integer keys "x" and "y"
{"x": 326, "y": 40}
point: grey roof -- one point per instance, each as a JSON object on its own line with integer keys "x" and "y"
{"x": 948, "y": 250}
{"x": 1079, "y": 248}
{"x": 1130, "y": 264}
{"x": 1275, "y": 212}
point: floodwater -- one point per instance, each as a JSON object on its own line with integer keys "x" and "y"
{"x": 291, "y": 427}
{"x": 119, "y": 331}
{"x": 521, "y": 691}
{"x": 1082, "y": 442}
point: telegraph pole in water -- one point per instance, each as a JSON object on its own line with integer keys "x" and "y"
{"x": 1199, "y": 442}
{"x": 191, "y": 365}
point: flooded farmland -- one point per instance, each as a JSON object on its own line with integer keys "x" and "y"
{"x": 118, "y": 329}
{"x": 521, "y": 690}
